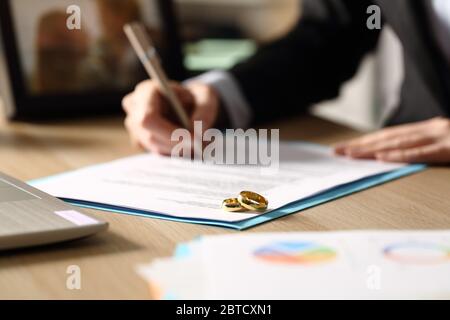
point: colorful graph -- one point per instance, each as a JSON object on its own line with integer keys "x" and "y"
{"x": 295, "y": 253}
{"x": 417, "y": 253}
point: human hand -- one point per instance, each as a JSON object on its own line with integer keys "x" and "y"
{"x": 421, "y": 142}
{"x": 149, "y": 119}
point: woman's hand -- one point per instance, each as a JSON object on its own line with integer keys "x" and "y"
{"x": 421, "y": 142}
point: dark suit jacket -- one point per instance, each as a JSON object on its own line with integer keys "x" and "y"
{"x": 326, "y": 48}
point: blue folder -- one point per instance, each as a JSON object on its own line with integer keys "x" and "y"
{"x": 293, "y": 207}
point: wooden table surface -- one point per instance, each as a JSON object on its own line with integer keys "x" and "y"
{"x": 108, "y": 260}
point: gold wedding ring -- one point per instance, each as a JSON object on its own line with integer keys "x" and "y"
{"x": 252, "y": 201}
{"x": 232, "y": 205}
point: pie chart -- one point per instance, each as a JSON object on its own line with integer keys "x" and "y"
{"x": 293, "y": 252}
{"x": 417, "y": 253}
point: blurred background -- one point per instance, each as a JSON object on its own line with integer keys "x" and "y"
{"x": 217, "y": 34}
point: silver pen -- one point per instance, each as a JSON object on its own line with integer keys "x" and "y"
{"x": 142, "y": 44}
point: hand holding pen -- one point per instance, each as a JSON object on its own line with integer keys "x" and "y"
{"x": 157, "y": 107}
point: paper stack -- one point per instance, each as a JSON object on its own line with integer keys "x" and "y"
{"x": 319, "y": 265}
{"x": 190, "y": 191}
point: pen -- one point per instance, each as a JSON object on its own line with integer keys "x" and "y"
{"x": 142, "y": 44}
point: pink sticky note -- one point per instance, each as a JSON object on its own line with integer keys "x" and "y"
{"x": 76, "y": 217}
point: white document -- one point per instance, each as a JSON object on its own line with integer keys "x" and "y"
{"x": 182, "y": 188}
{"x": 308, "y": 265}
{"x": 334, "y": 265}
{"x": 177, "y": 278}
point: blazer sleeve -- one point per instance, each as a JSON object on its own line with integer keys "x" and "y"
{"x": 311, "y": 62}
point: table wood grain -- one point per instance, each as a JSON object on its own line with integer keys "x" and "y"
{"x": 108, "y": 260}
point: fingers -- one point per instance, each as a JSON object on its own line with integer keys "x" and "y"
{"x": 423, "y": 142}
{"x": 185, "y": 96}
{"x": 206, "y": 101}
{"x": 396, "y": 143}
{"x": 161, "y": 127}
{"x": 433, "y": 153}
{"x": 151, "y": 132}
{"x": 157, "y": 140}
{"x": 150, "y": 120}
{"x": 378, "y": 140}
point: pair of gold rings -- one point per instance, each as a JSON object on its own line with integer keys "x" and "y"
{"x": 247, "y": 200}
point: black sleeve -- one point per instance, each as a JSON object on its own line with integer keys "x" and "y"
{"x": 311, "y": 62}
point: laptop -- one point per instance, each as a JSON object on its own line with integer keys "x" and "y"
{"x": 29, "y": 217}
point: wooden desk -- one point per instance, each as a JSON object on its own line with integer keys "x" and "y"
{"x": 107, "y": 261}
